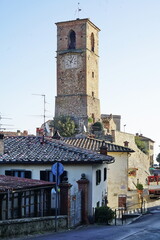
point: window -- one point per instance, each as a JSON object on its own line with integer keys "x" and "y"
{"x": 105, "y": 173}
{"x": 18, "y": 173}
{"x": 47, "y": 175}
{"x": 92, "y": 42}
{"x": 98, "y": 177}
{"x": 92, "y": 74}
{"x": 92, "y": 94}
{"x": 72, "y": 40}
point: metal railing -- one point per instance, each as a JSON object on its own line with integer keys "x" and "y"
{"x": 122, "y": 214}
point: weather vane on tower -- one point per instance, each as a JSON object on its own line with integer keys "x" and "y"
{"x": 79, "y": 9}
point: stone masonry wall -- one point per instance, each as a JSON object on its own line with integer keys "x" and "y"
{"x": 17, "y": 227}
{"x": 71, "y": 106}
{"x": 77, "y": 88}
{"x": 137, "y": 159}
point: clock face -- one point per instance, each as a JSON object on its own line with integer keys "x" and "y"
{"x": 70, "y": 61}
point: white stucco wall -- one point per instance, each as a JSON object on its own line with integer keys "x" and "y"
{"x": 95, "y": 192}
{"x": 98, "y": 191}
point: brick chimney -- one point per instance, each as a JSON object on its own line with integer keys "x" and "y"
{"x": 126, "y": 144}
{"x": 1, "y": 144}
{"x": 103, "y": 148}
{"x": 25, "y": 133}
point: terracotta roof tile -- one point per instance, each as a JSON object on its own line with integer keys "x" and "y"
{"x": 15, "y": 183}
{"x": 31, "y": 149}
{"x": 95, "y": 144}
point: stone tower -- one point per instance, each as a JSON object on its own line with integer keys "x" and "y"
{"x": 77, "y": 71}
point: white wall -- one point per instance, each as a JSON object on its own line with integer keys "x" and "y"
{"x": 95, "y": 192}
{"x": 99, "y": 191}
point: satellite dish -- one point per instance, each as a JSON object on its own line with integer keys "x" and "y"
{"x": 84, "y": 128}
{"x": 47, "y": 128}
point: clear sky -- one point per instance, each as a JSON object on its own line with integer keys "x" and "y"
{"x": 129, "y": 71}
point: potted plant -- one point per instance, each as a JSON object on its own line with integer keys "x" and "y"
{"x": 139, "y": 187}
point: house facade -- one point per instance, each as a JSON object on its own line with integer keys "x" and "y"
{"x": 117, "y": 173}
{"x": 32, "y": 157}
{"x": 139, "y": 162}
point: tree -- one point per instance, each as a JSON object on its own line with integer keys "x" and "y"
{"x": 65, "y": 125}
{"x": 158, "y": 159}
{"x": 97, "y": 126}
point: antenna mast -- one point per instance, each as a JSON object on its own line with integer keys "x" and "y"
{"x": 44, "y": 110}
{"x": 79, "y": 9}
{"x": 1, "y": 125}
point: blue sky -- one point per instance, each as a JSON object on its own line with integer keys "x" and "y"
{"x": 129, "y": 49}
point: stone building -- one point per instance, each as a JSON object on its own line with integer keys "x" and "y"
{"x": 77, "y": 71}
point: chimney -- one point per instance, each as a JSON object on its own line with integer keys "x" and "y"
{"x": 113, "y": 133}
{"x": 25, "y": 133}
{"x": 56, "y": 135}
{"x": 126, "y": 144}
{"x": 103, "y": 148}
{"x": 18, "y": 133}
{"x": 1, "y": 144}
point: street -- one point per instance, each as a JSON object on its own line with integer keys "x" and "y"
{"x": 146, "y": 227}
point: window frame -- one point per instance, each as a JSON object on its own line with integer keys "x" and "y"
{"x": 92, "y": 42}
{"x": 18, "y": 173}
{"x": 98, "y": 177}
{"x": 49, "y": 173}
{"x": 72, "y": 39}
{"x": 105, "y": 174}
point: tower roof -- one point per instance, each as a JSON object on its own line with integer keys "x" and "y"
{"x": 80, "y": 21}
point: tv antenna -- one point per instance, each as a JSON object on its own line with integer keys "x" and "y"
{"x": 1, "y": 125}
{"x": 44, "y": 109}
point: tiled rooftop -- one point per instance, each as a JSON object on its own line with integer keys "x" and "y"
{"x": 94, "y": 144}
{"x": 31, "y": 149}
{"x": 15, "y": 183}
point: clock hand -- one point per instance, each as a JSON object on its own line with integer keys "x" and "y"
{"x": 71, "y": 60}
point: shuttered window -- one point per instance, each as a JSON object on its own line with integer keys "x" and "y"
{"x": 105, "y": 174}
{"x": 98, "y": 177}
{"x": 47, "y": 175}
{"x": 18, "y": 173}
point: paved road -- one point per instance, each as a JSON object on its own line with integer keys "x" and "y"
{"x": 145, "y": 228}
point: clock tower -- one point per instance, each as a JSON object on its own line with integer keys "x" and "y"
{"x": 77, "y": 71}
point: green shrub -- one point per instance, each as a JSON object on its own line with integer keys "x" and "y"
{"x": 97, "y": 126}
{"x": 141, "y": 145}
{"x": 90, "y": 120}
{"x": 139, "y": 186}
{"x": 104, "y": 215}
